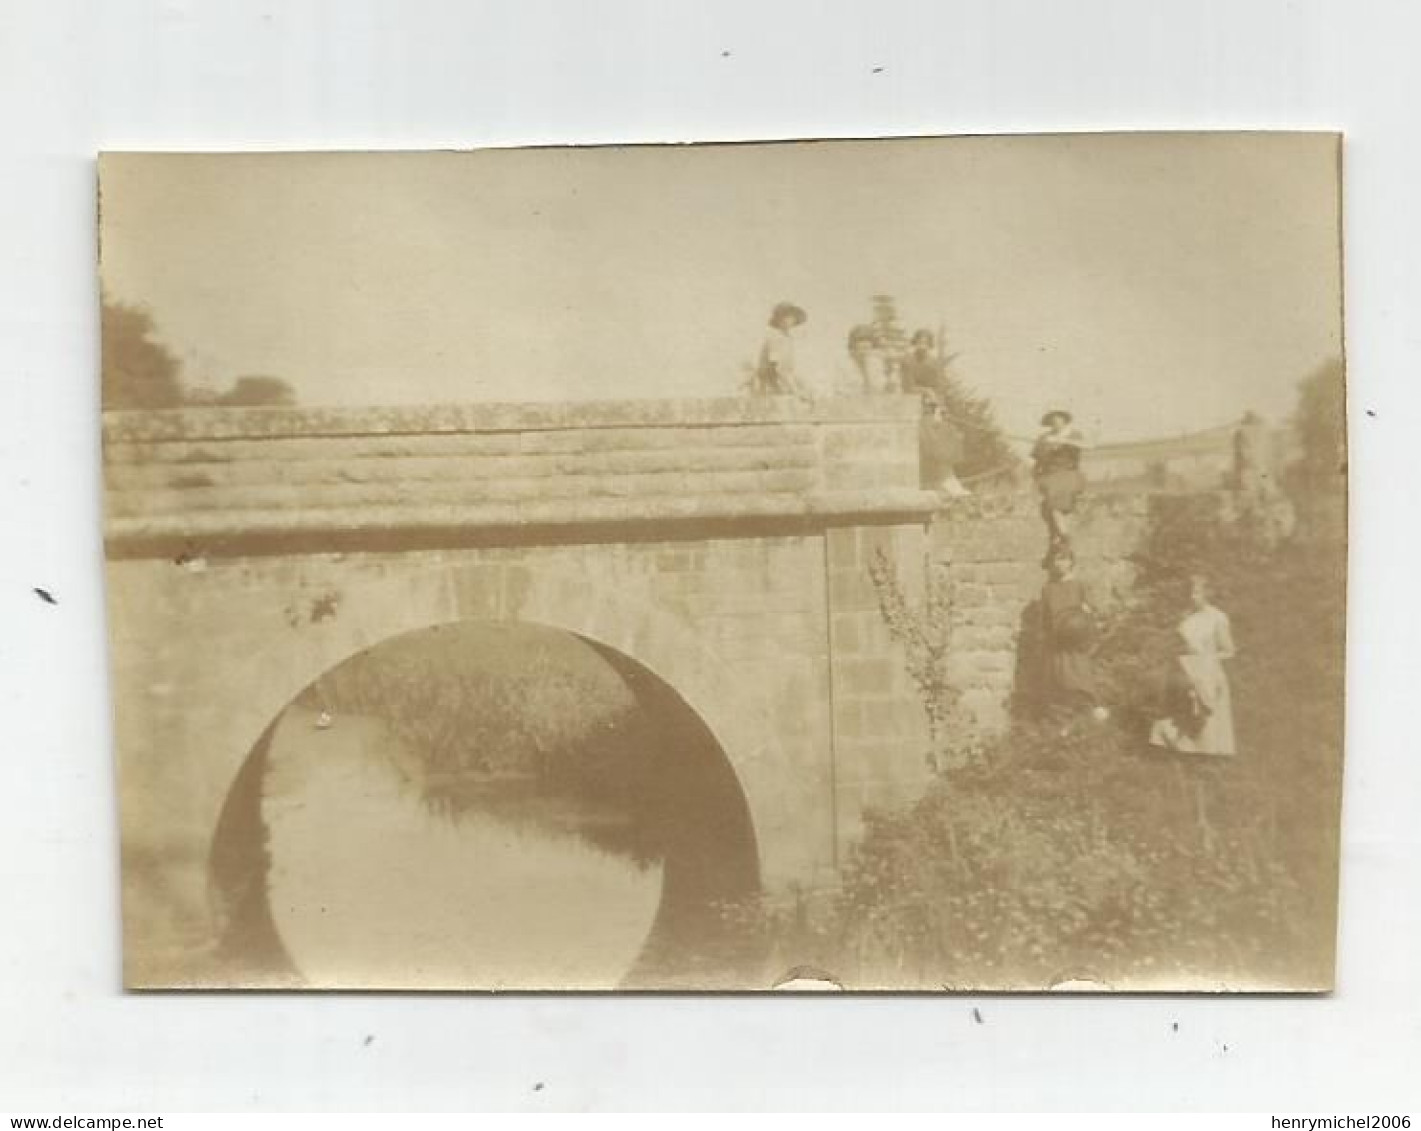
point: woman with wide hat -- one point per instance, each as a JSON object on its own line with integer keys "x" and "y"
{"x": 1056, "y": 460}
{"x": 776, "y": 374}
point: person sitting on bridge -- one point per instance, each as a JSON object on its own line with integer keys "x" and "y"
{"x": 865, "y": 370}
{"x": 776, "y": 374}
{"x": 1057, "y": 468}
{"x": 922, "y": 370}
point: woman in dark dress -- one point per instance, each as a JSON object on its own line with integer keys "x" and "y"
{"x": 1069, "y": 637}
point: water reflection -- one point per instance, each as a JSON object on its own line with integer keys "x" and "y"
{"x": 493, "y": 806}
{"x": 369, "y": 887}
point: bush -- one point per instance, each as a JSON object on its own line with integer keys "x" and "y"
{"x": 1063, "y": 852}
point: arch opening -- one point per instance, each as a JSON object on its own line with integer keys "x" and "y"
{"x": 487, "y": 804}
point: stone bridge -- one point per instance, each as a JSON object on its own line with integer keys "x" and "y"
{"x": 721, "y": 544}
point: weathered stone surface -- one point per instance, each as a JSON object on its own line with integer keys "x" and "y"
{"x": 993, "y": 546}
{"x": 221, "y": 475}
{"x": 724, "y": 545}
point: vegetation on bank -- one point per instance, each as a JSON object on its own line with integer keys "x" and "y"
{"x": 511, "y": 719}
{"x": 1068, "y": 849}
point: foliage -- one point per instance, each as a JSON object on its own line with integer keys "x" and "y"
{"x": 138, "y": 370}
{"x": 1321, "y": 423}
{"x": 258, "y": 390}
{"x": 925, "y": 633}
{"x": 532, "y": 726}
{"x": 986, "y": 455}
{"x": 1076, "y": 852}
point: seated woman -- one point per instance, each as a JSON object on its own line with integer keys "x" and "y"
{"x": 1056, "y": 462}
{"x": 776, "y": 374}
{"x": 921, "y": 370}
{"x": 1199, "y": 708}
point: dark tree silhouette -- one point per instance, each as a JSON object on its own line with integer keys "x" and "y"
{"x": 1321, "y": 422}
{"x": 138, "y": 370}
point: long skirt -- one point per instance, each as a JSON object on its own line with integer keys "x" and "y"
{"x": 1060, "y": 489}
{"x": 1201, "y": 717}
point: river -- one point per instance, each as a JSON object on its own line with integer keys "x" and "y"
{"x": 369, "y": 887}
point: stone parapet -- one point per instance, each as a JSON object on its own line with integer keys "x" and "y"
{"x": 225, "y": 475}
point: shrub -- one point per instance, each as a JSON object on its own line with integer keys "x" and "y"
{"x": 1071, "y": 852}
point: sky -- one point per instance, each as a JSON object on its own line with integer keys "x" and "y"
{"x": 1153, "y": 283}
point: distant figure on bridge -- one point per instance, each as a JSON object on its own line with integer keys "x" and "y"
{"x": 865, "y": 371}
{"x": 1256, "y": 495}
{"x": 1056, "y": 462}
{"x": 1252, "y": 465}
{"x": 776, "y": 373}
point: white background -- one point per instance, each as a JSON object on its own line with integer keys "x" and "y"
{"x": 77, "y": 77}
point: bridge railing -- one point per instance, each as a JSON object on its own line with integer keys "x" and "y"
{"x": 222, "y": 479}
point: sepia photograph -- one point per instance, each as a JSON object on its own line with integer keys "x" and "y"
{"x": 911, "y": 564}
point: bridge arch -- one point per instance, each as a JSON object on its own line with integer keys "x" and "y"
{"x": 633, "y": 625}
{"x": 277, "y": 869}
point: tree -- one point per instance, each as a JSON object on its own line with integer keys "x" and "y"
{"x": 985, "y": 451}
{"x": 138, "y": 371}
{"x": 1321, "y": 423}
{"x": 257, "y": 389}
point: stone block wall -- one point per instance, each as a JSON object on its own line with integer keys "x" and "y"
{"x": 243, "y": 475}
{"x": 994, "y": 547}
{"x": 880, "y": 734}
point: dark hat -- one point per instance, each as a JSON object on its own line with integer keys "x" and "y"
{"x": 1054, "y": 415}
{"x": 788, "y": 310}
{"x": 922, "y": 336}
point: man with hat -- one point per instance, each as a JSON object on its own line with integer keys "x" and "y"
{"x": 775, "y": 372}
{"x": 865, "y": 370}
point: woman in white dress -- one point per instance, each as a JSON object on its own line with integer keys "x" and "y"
{"x": 1200, "y": 719}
